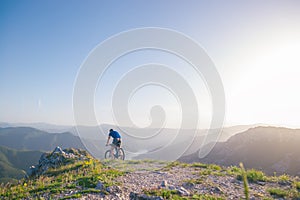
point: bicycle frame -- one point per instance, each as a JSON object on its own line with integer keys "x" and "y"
{"x": 116, "y": 155}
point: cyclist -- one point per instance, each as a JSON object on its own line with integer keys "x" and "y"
{"x": 116, "y": 139}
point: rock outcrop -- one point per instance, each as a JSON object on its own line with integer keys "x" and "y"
{"x": 56, "y": 158}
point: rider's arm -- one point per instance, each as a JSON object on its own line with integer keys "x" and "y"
{"x": 108, "y": 140}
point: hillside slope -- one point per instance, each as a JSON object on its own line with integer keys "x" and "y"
{"x": 270, "y": 149}
{"x": 13, "y": 163}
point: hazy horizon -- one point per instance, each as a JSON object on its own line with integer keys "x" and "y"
{"x": 225, "y": 126}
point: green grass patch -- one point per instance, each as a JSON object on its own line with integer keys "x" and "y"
{"x": 166, "y": 194}
{"x": 233, "y": 170}
{"x": 194, "y": 181}
{"x": 253, "y": 176}
{"x": 215, "y": 167}
{"x": 199, "y": 165}
{"x": 90, "y": 191}
{"x": 43, "y": 188}
{"x": 284, "y": 177}
{"x": 206, "y": 197}
{"x": 64, "y": 169}
{"x": 171, "y": 165}
{"x": 205, "y": 172}
{"x": 108, "y": 176}
{"x": 82, "y": 176}
{"x": 277, "y": 192}
{"x": 87, "y": 182}
{"x": 74, "y": 196}
{"x": 57, "y": 190}
{"x": 284, "y": 193}
{"x": 212, "y": 170}
{"x": 297, "y": 185}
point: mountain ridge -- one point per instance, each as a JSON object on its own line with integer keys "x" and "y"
{"x": 271, "y": 149}
{"x": 27, "y": 138}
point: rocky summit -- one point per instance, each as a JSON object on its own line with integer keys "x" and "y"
{"x": 55, "y": 159}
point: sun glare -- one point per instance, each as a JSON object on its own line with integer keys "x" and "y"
{"x": 268, "y": 89}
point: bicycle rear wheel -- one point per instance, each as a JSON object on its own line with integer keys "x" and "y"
{"x": 121, "y": 154}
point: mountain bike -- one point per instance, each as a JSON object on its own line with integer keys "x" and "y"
{"x": 118, "y": 153}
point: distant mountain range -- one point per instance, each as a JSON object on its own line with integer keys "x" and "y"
{"x": 270, "y": 149}
{"x": 14, "y": 163}
{"x": 141, "y": 143}
{"x": 26, "y": 138}
{"x": 50, "y": 128}
{"x": 138, "y": 142}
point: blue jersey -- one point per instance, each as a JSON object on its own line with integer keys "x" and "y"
{"x": 114, "y": 134}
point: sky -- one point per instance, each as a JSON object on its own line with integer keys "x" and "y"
{"x": 255, "y": 46}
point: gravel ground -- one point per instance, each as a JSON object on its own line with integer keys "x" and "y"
{"x": 148, "y": 176}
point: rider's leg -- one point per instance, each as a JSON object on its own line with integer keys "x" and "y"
{"x": 117, "y": 151}
{"x": 112, "y": 151}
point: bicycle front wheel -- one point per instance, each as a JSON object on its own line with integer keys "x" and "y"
{"x": 108, "y": 155}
